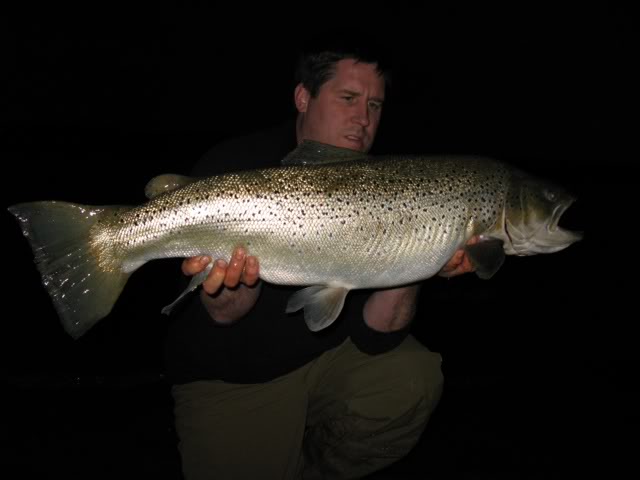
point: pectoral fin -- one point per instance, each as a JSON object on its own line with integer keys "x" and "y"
{"x": 321, "y": 304}
{"x": 196, "y": 281}
{"x": 487, "y": 256}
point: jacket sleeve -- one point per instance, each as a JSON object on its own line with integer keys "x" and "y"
{"x": 365, "y": 338}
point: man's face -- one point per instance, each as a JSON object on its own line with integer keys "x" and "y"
{"x": 346, "y": 112}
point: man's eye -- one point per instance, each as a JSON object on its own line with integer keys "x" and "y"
{"x": 348, "y": 98}
{"x": 375, "y": 106}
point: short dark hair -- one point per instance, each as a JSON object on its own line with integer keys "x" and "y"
{"x": 318, "y": 57}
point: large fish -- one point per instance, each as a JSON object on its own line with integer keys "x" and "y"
{"x": 330, "y": 219}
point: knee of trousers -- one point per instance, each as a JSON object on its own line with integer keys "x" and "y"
{"x": 386, "y": 418}
{"x": 402, "y": 397}
{"x": 416, "y": 382}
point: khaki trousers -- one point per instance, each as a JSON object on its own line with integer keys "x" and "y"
{"x": 344, "y": 415}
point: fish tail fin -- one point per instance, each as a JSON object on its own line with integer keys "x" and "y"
{"x": 81, "y": 273}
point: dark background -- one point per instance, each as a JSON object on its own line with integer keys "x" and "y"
{"x": 540, "y": 361}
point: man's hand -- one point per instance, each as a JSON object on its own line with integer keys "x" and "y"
{"x": 460, "y": 262}
{"x": 242, "y": 268}
{"x": 226, "y": 292}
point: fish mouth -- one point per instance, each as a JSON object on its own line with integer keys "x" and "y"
{"x": 558, "y": 214}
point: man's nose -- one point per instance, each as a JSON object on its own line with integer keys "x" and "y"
{"x": 361, "y": 114}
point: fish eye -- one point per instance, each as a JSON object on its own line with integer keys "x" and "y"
{"x": 550, "y": 195}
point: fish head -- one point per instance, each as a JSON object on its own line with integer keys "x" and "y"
{"x": 532, "y": 212}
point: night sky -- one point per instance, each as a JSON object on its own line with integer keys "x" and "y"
{"x": 541, "y": 360}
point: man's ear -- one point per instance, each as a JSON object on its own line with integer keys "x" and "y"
{"x": 301, "y": 98}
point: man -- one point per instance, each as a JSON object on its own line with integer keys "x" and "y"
{"x": 257, "y": 395}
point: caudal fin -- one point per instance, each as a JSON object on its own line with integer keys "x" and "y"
{"x": 80, "y": 273}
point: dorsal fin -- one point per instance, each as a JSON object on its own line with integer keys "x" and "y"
{"x": 316, "y": 153}
{"x": 166, "y": 183}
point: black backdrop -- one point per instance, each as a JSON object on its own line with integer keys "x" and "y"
{"x": 540, "y": 361}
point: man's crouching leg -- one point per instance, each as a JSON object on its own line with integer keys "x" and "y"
{"x": 367, "y": 412}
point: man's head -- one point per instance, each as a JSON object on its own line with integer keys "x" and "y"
{"x": 339, "y": 96}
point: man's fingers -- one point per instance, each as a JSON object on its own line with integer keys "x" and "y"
{"x": 241, "y": 268}
{"x": 460, "y": 262}
{"x": 216, "y": 276}
{"x": 251, "y": 271}
{"x": 193, "y": 265}
{"x": 235, "y": 268}
{"x": 459, "y": 270}
{"x": 454, "y": 262}
{"x": 466, "y": 266}
{"x": 452, "y": 269}
{"x": 473, "y": 240}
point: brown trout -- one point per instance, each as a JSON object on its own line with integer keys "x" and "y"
{"x": 330, "y": 219}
